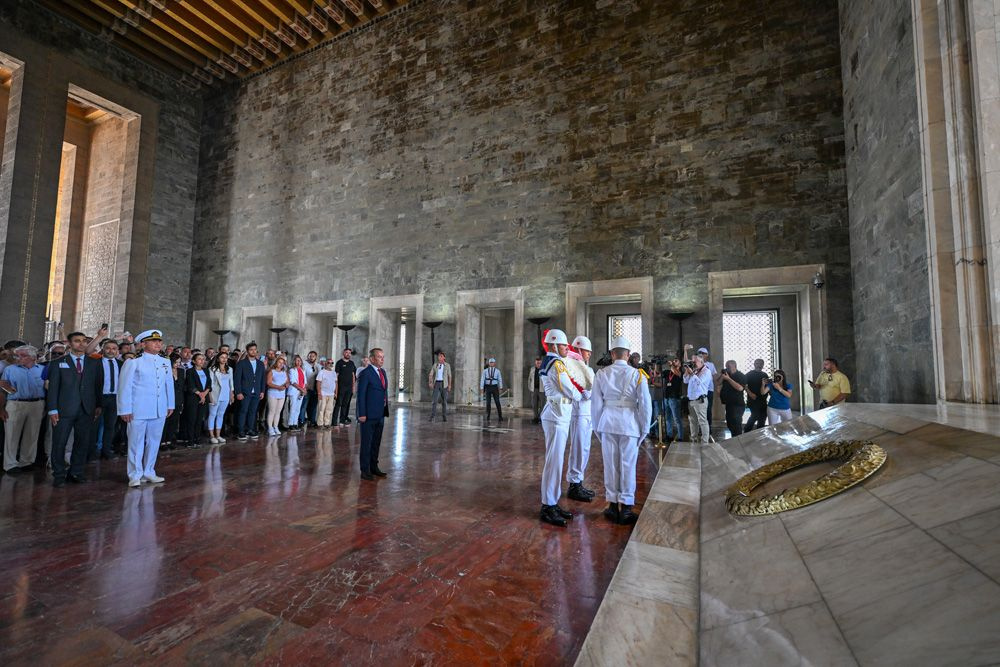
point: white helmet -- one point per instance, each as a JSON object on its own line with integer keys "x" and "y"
{"x": 583, "y": 343}
{"x": 556, "y": 337}
{"x": 620, "y": 342}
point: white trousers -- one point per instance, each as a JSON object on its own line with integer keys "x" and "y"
{"x": 775, "y": 416}
{"x": 143, "y": 446}
{"x": 580, "y": 430}
{"x": 293, "y": 405}
{"x": 556, "y": 434}
{"x": 620, "y": 453}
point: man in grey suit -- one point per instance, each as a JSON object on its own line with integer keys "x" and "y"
{"x": 439, "y": 382}
{"x": 73, "y": 403}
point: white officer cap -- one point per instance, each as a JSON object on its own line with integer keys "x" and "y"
{"x": 556, "y": 337}
{"x": 702, "y": 350}
{"x": 583, "y": 343}
{"x": 621, "y": 342}
{"x": 150, "y": 334}
{"x": 492, "y": 360}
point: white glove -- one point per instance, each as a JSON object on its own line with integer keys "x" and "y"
{"x": 586, "y": 394}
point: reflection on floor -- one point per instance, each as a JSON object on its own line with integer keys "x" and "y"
{"x": 901, "y": 570}
{"x": 275, "y": 549}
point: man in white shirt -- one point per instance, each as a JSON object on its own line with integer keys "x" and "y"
{"x": 621, "y": 409}
{"x": 698, "y": 379}
{"x": 439, "y": 382}
{"x": 490, "y": 384}
{"x": 145, "y": 400}
{"x": 712, "y": 374}
{"x": 326, "y": 389}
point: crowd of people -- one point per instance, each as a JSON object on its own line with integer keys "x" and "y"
{"x": 84, "y": 397}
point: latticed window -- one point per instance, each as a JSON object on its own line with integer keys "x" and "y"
{"x": 751, "y": 335}
{"x": 629, "y": 326}
{"x": 401, "y": 383}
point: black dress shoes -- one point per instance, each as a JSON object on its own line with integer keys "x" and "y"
{"x": 76, "y": 479}
{"x": 576, "y": 492}
{"x": 626, "y": 516}
{"x": 563, "y": 513}
{"x": 367, "y": 476}
{"x": 58, "y": 482}
{"x": 551, "y": 516}
{"x": 107, "y": 456}
{"x": 378, "y": 473}
{"x": 612, "y": 512}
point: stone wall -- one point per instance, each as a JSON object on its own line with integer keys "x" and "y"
{"x": 468, "y": 145}
{"x": 895, "y": 361}
{"x": 58, "y": 53}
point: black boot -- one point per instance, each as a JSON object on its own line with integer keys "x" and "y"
{"x": 612, "y": 512}
{"x": 626, "y": 516}
{"x": 587, "y": 492}
{"x": 576, "y": 493}
{"x": 563, "y": 513}
{"x": 549, "y": 515}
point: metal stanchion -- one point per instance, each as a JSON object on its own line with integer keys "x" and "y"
{"x": 661, "y": 446}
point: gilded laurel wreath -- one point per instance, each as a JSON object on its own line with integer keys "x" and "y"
{"x": 861, "y": 460}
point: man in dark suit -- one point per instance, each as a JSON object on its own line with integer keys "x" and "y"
{"x": 248, "y": 384}
{"x": 73, "y": 403}
{"x": 111, "y": 368}
{"x": 373, "y": 408}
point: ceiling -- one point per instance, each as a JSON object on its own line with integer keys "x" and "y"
{"x": 211, "y": 41}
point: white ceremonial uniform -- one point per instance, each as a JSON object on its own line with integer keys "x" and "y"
{"x": 580, "y": 429}
{"x": 560, "y": 394}
{"x": 621, "y": 409}
{"x": 146, "y": 391}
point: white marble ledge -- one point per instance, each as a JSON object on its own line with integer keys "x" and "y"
{"x": 658, "y": 573}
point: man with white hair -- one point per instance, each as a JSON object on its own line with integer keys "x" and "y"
{"x": 621, "y": 411}
{"x": 560, "y": 394}
{"x": 22, "y": 409}
{"x": 581, "y": 428}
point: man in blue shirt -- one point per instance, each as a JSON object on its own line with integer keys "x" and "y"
{"x": 22, "y": 410}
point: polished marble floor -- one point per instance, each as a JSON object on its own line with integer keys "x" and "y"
{"x": 275, "y": 551}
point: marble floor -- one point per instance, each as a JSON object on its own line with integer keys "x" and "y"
{"x": 275, "y": 551}
{"x": 900, "y": 570}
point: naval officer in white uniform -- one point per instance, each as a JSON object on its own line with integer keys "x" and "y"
{"x": 145, "y": 400}
{"x": 560, "y": 394}
{"x": 581, "y": 428}
{"x": 621, "y": 409}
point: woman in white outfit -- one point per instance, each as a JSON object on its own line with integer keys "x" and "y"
{"x": 296, "y": 393}
{"x": 277, "y": 385}
{"x": 220, "y": 398}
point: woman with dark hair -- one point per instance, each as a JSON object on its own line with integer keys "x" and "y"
{"x": 779, "y": 402}
{"x": 197, "y": 385}
{"x": 220, "y": 397}
{"x": 172, "y": 425}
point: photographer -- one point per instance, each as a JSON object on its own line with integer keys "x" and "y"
{"x": 756, "y": 400}
{"x": 673, "y": 383}
{"x": 698, "y": 380}
{"x": 732, "y": 384}
{"x": 779, "y": 402}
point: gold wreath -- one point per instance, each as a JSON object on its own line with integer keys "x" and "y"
{"x": 862, "y": 460}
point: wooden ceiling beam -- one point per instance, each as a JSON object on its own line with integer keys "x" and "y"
{"x": 178, "y": 32}
{"x": 260, "y": 15}
{"x": 191, "y": 56}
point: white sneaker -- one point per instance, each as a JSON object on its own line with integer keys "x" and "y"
{"x": 134, "y": 483}
{"x": 155, "y": 479}
{"x": 220, "y": 440}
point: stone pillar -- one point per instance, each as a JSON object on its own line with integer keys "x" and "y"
{"x": 959, "y": 100}
{"x": 29, "y": 184}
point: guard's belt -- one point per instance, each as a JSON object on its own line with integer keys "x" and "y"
{"x": 620, "y": 403}
{"x": 559, "y": 401}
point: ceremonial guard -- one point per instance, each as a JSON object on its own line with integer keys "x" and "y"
{"x": 621, "y": 409}
{"x": 581, "y": 427}
{"x": 560, "y": 394}
{"x": 490, "y": 384}
{"x": 145, "y": 400}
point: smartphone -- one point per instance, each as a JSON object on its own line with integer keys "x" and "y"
{"x": 104, "y": 326}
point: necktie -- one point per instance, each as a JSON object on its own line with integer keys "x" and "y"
{"x": 111, "y": 375}
{"x": 79, "y": 366}
{"x": 381, "y": 374}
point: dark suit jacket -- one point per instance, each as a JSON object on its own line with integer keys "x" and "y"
{"x": 192, "y": 382}
{"x": 71, "y": 393}
{"x": 245, "y": 381}
{"x": 371, "y": 395}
